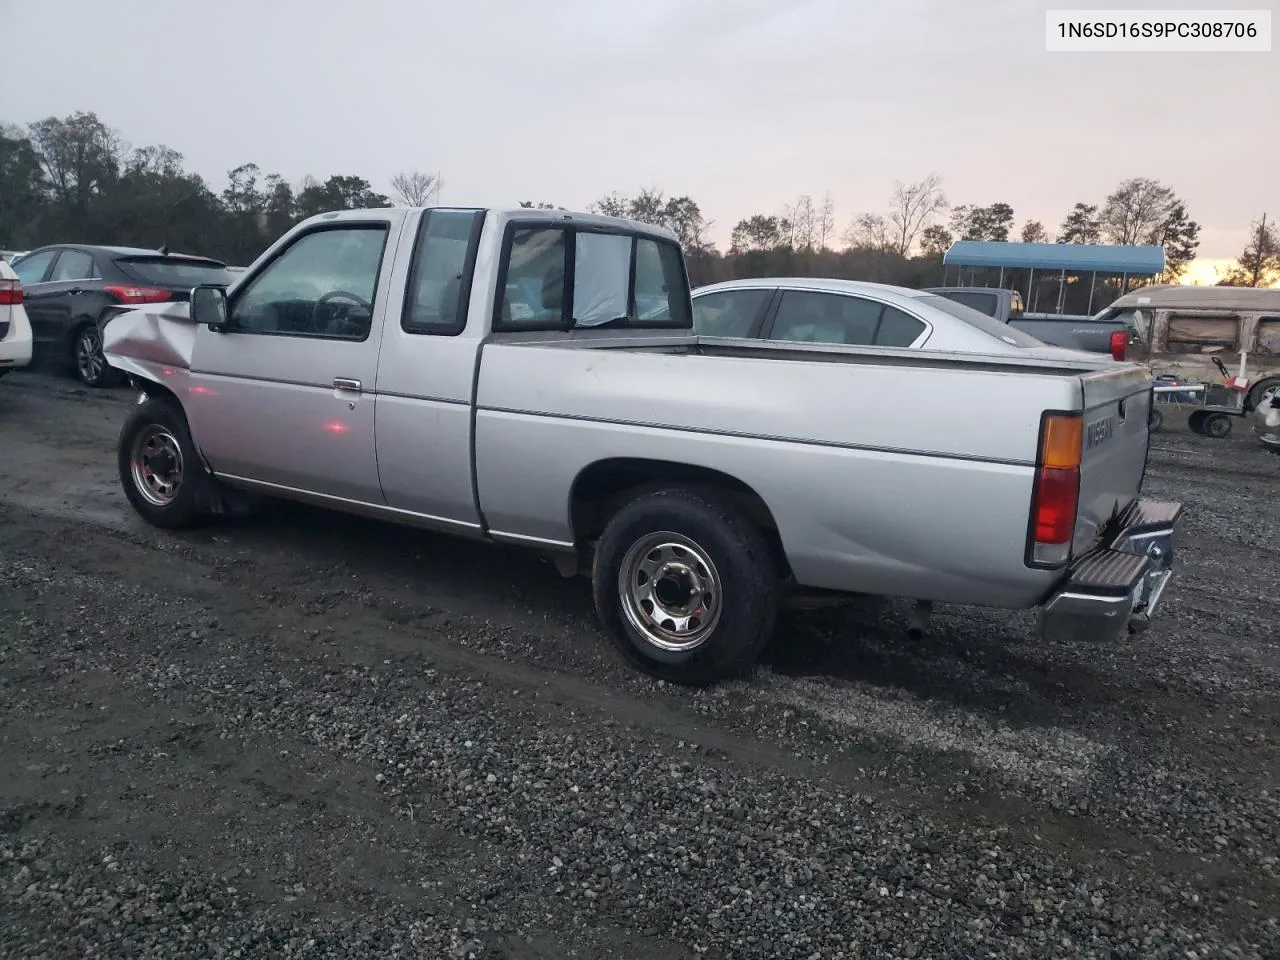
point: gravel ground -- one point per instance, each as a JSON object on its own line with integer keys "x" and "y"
{"x": 303, "y": 735}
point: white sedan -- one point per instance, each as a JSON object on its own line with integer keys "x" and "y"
{"x": 15, "y": 329}
{"x": 809, "y": 310}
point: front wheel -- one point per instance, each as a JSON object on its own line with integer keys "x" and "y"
{"x": 686, "y": 586}
{"x": 159, "y": 468}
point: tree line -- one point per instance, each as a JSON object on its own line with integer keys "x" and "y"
{"x": 75, "y": 179}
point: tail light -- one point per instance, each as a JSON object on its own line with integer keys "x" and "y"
{"x": 10, "y": 293}
{"x": 1119, "y": 344}
{"x": 133, "y": 294}
{"x": 1055, "y": 495}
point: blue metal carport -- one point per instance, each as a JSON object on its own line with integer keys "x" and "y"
{"x": 1077, "y": 258}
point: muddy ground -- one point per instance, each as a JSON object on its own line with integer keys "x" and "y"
{"x": 303, "y": 735}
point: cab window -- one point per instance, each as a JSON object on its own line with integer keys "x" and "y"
{"x": 322, "y": 285}
{"x": 440, "y": 278}
{"x": 565, "y": 277}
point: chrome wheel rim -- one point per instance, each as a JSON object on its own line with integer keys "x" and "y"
{"x": 89, "y": 359}
{"x": 156, "y": 464}
{"x": 670, "y": 591}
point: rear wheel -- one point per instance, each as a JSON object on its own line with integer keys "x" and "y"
{"x": 686, "y": 586}
{"x": 1155, "y": 421}
{"x": 1195, "y": 422}
{"x": 159, "y": 467}
{"x": 91, "y": 364}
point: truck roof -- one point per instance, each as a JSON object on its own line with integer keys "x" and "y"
{"x": 535, "y": 214}
{"x": 1199, "y": 298}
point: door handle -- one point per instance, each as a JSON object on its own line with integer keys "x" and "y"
{"x": 342, "y": 383}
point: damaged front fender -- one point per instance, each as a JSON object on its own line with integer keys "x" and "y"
{"x": 153, "y": 342}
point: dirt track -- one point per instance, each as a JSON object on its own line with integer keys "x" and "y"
{"x": 303, "y": 735}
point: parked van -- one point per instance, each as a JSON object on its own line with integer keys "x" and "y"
{"x": 1179, "y": 330}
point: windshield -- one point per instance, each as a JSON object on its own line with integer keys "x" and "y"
{"x": 976, "y": 318}
{"x": 176, "y": 271}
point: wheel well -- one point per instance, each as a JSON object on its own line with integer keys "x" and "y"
{"x": 605, "y": 486}
{"x": 154, "y": 388}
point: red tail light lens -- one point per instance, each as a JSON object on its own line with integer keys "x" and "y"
{"x": 1055, "y": 498}
{"x": 134, "y": 294}
{"x": 1119, "y": 344}
{"x": 10, "y": 293}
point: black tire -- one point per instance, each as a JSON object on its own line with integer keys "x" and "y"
{"x": 159, "y": 425}
{"x": 1218, "y": 426}
{"x": 91, "y": 367}
{"x": 1254, "y": 398}
{"x": 1155, "y": 422}
{"x": 734, "y": 556}
{"x": 1196, "y": 421}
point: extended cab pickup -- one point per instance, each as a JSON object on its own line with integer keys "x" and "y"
{"x": 531, "y": 377}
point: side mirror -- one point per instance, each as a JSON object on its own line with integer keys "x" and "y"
{"x": 209, "y": 306}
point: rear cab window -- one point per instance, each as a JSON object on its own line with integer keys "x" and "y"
{"x": 440, "y": 278}
{"x": 175, "y": 271}
{"x": 557, "y": 277}
{"x": 987, "y": 303}
{"x": 980, "y": 321}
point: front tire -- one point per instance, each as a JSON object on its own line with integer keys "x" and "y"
{"x": 686, "y": 586}
{"x": 159, "y": 467}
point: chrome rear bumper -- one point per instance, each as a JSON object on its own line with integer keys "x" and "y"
{"x": 1119, "y": 587}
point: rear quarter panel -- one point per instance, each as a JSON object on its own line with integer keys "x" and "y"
{"x": 892, "y": 480}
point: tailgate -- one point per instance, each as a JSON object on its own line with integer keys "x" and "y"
{"x": 1117, "y": 410}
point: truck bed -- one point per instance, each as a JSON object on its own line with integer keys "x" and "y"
{"x": 866, "y": 473}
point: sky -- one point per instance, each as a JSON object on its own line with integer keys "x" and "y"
{"x": 741, "y": 104}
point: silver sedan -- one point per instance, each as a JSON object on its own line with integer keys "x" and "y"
{"x": 809, "y": 310}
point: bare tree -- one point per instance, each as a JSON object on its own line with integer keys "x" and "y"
{"x": 871, "y": 231}
{"x": 1259, "y": 263}
{"x": 415, "y": 188}
{"x": 1136, "y": 210}
{"x": 826, "y": 220}
{"x": 804, "y": 220}
{"x": 913, "y": 207}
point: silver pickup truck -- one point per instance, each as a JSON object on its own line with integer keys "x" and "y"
{"x": 531, "y": 377}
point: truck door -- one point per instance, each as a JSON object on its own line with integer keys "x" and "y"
{"x": 283, "y": 396}
{"x": 427, "y": 370}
